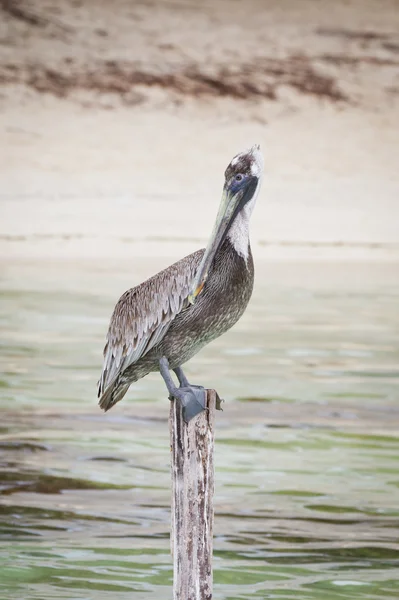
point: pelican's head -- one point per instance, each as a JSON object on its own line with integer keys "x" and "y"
{"x": 243, "y": 178}
{"x": 244, "y": 173}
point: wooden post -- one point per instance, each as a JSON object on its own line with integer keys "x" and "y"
{"x": 192, "y": 447}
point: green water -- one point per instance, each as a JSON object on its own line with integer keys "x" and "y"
{"x": 307, "y": 473}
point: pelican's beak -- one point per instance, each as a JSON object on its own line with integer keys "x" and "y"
{"x": 231, "y": 204}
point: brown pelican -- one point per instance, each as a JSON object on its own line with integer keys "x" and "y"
{"x": 160, "y": 324}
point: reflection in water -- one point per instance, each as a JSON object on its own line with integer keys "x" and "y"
{"x": 307, "y": 446}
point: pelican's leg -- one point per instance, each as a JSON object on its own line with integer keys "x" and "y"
{"x": 192, "y": 397}
{"x": 181, "y": 377}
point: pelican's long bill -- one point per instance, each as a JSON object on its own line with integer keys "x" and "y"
{"x": 243, "y": 177}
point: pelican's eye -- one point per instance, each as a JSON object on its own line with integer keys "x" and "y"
{"x": 239, "y": 177}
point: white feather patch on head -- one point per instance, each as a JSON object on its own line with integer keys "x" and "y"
{"x": 258, "y": 162}
{"x": 257, "y": 159}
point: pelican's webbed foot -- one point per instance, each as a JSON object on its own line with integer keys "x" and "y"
{"x": 192, "y": 397}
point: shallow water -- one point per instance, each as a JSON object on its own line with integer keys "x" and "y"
{"x": 307, "y": 478}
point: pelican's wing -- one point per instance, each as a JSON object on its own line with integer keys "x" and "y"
{"x": 143, "y": 315}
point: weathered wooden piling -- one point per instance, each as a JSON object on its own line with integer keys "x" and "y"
{"x": 192, "y": 446}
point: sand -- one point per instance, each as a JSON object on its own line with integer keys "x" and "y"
{"x": 117, "y": 121}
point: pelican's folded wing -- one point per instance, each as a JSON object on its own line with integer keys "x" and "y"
{"x": 143, "y": 315}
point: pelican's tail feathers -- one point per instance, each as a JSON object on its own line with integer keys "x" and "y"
{"x": 114, "y": 392}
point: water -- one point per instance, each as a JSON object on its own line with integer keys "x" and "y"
{"x": 307, "y": 478}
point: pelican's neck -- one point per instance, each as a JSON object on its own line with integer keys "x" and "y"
{"x": 239, "y": 233}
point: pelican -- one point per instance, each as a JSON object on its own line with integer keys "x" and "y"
{"x": 161, "y": 323}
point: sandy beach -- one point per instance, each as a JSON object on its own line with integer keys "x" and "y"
{"x": 116, "y": 126}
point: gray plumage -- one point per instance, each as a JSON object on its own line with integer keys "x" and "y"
{"x": 156, "y": 319}
{"x": 140, "y": 319}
